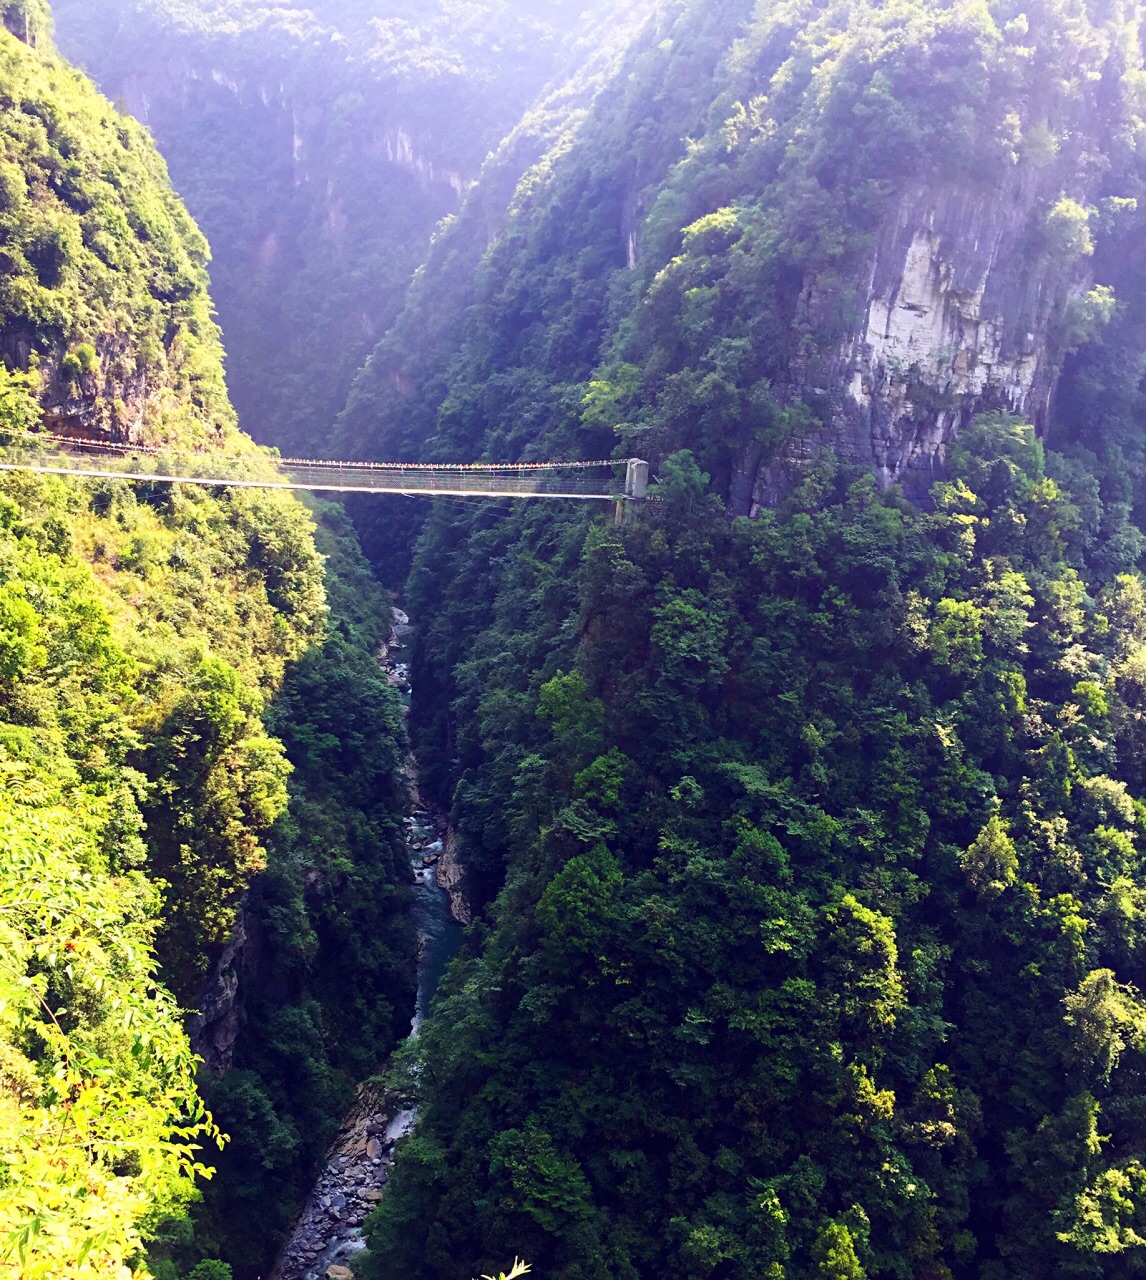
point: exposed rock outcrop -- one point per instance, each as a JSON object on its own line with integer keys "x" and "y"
{"x": 960, "y": 312}
{"x": 215, "y": 1025}
{"x": 451, "y": 877}
{"x": 110, "y": 401}
{"x": 109, "y": 405}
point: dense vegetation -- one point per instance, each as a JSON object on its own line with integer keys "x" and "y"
{"x": 807, "y": 847}
{"x": 328, "y": 973}
{"x": 187, "y": 740}
{"x": 102, "y": 273}
{"x": 819, "y": 934}
{"x": 698, "y": 295}
{"x": 137, "y": 630}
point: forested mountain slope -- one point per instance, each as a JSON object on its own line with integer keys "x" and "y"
{"x": 151, "y": 639}
{"x": 807, "y": 846}
{"x": 888, "y": 216}
{"x": 319, "y": 146}
{"x": 103, "y": 273}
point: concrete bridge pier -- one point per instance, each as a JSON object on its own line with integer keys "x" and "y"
{"x": 636, "y": 482}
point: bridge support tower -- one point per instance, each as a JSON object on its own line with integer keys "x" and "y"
{"x": 636, "y": 483}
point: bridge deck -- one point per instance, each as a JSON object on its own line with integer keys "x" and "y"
{"x": 72, "y": 457}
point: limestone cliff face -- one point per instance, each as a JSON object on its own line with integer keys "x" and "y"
{"x": 110, "y": 404}
{"x": 960, "y": 312}
{"x": 111, "y": 400}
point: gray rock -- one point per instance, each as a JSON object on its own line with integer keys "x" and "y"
{"x": 955, "y": 309}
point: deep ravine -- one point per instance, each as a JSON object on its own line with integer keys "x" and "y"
{"x": 329, "y": 1230}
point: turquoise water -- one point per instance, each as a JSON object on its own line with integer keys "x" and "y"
{"x": 439, "y": 934}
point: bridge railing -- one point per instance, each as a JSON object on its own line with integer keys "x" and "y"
{"x": 458, "y": 482}
{"x": 70, "y": 456}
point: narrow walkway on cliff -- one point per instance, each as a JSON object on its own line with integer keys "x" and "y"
{"x": 600, "y": 481}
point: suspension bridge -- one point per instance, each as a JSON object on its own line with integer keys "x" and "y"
{"x": 606, "y": 480}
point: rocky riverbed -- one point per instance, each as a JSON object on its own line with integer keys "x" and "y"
{"x": 328, "y": 1233}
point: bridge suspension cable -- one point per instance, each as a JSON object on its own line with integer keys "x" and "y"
{"x": 78, "y": 456}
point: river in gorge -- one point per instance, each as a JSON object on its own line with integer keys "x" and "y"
{"x": 439, "y": 934}
{"x": 328, "y": 1233}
